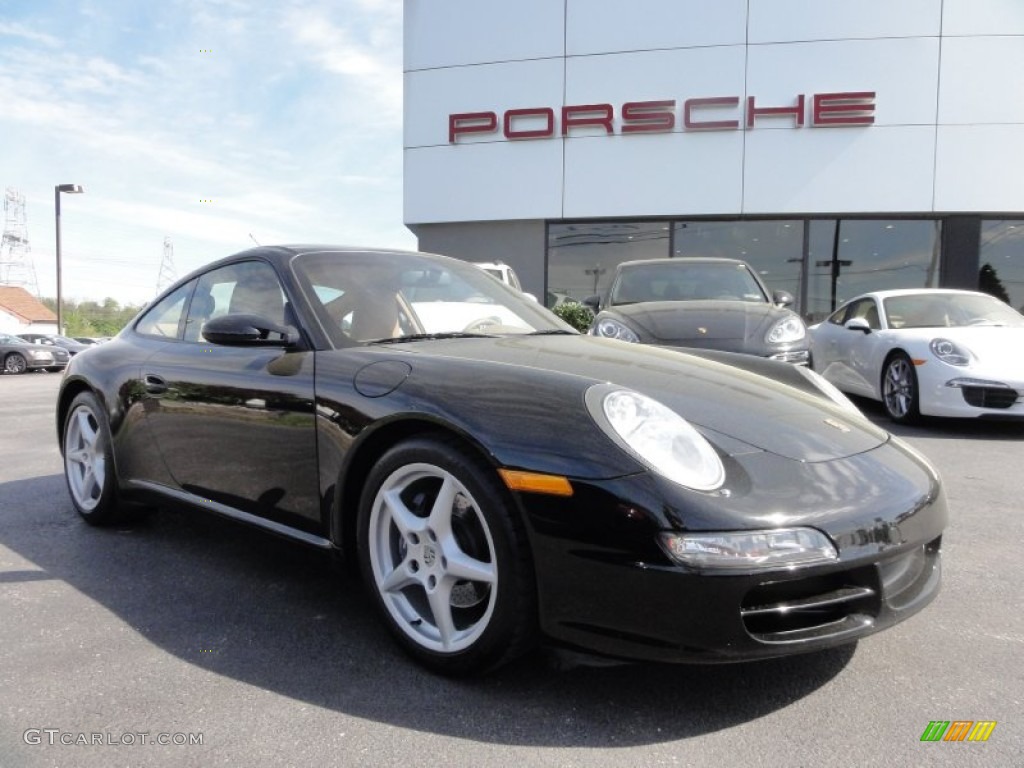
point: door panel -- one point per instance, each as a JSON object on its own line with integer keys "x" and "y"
{"x": 236, "y": 424}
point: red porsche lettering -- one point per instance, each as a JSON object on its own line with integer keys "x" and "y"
{"x": 714, "y": 113}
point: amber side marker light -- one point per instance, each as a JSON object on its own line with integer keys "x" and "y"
{"x": 534, "y": 482}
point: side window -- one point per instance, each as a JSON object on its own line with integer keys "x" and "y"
{"x": 866, "y": 310}
{"x": 249, "y": 288}
{"x": 839, "y": 316}
{"x": 164, "y": 318}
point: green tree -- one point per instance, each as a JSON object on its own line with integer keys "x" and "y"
{"x": 91, "y": 318}
{"x": 575, "y": 314}
{"x": 989, "y": 282}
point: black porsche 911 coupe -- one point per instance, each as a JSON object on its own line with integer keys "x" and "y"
{"x": 703, "y": 303}
{"x": 500, "y": 479}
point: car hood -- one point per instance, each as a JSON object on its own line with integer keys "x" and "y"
{"x": 718, "y": 324}
{"x": 737, "y": 410}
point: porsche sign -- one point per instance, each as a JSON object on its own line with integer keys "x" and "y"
{"x": 717, "y": 113}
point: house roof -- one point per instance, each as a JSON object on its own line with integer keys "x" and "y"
{"x": 17, "y": 301}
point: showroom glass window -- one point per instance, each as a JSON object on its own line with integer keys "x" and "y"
{"x": 868, "y": 255}
{"x": 1001, "y": 261}
{"x": 772, "y": 248}
{"x": 582, "y": 257}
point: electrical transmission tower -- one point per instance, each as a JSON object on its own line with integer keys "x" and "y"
{"x": 168, "y": 274}
{"x": 16, "y": 265}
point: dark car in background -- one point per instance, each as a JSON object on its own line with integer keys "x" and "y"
{"x": 702, "y": 303}
{"x": 499, "y": 478}
{"x": 17, "y": 355}
{"x": 54, "y": 340}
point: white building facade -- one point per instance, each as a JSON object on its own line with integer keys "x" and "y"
{"x": 837, "y": 147}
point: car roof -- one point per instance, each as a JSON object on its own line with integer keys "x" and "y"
{"x": 279, "y": 255}
{"x": 684, "y": 260}
{"x": 892, "y": 292}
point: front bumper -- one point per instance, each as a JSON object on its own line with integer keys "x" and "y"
{"x": 41, "y": 363}
{"x": 797, "y": 357}
{"x": 609, "y": 589}
{"x": 971, "y": 396}
{"x": 793, "y": 354}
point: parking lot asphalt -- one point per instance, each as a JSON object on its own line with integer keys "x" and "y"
{"x": 186, "y": 628}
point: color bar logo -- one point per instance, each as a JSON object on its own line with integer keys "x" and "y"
{"x": 958, "y": 730}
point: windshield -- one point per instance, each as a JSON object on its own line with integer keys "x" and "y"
{"x": 949, "y": 310}
{"x": 5, "y": 339}
{"x": 363, "y": 297}
{"x": 680, "y": 280}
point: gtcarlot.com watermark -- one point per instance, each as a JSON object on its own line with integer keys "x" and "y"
{"x": 56, "y": 736}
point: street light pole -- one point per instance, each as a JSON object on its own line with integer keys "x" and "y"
{"x": 72, "y": 189}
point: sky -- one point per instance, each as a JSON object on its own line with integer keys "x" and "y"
{"x": 214, "y": 123}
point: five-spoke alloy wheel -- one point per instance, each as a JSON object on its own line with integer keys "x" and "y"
{"x": 446, "y": 557}
{"x": 899, "y": 389}
{"x": 88, "y": 463}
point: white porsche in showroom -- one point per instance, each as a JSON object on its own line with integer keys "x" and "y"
{"x": 926, "y": 351}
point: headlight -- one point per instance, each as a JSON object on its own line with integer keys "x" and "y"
{"x": 790, "y": 328}
{"x": 613, "y": 329}
{"x": 751, "y": 550}
{"x": 657, "y": 436}
{"x": 830, "y": 390}
{"x": 948, "y": 352}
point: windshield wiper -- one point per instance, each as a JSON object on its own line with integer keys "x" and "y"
{"x": 432, "y": 337}
{"x": 552, "y": 332}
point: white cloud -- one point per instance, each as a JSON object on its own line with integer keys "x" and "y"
{"x": 291, "y": 126}
{"x": 371, "y": 63}
{"x": 8, "y": 29}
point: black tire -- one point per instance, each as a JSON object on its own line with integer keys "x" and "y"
{"x": 89, "y": 462}
{"x": 456, "y": 586}
{"x": 15, "y": 363}
{"x": 900, "y": 393}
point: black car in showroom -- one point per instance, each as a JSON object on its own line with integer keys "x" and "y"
{"x": 703, "y": 303}
{"x": 500, "y": 479}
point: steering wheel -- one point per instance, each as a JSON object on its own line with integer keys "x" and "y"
{"x": 482, "y": 324}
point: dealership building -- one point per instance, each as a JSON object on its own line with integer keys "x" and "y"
{"x": 837, "y": 147}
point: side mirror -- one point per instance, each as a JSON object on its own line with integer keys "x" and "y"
{"x": 858, "y": 324}
{"x": 594, "y": 302}
{"x": 782, "y": 298}
{"x": 249, "y": 331}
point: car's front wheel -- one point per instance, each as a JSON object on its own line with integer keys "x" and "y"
{"x": 900, "y": 390}
{"x": 88, "y": 461}
{"x": 15, "y": 363}
{"x": 446, "y": 557}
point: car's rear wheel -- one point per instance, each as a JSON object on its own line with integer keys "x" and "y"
{"x": 15, "y": 363}
{"x": 446, "y": 557}
{"x": 88, "y": 461}
{"x": 899, "y": 389}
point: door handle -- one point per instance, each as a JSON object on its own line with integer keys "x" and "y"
{"x": 155, "y": 385}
